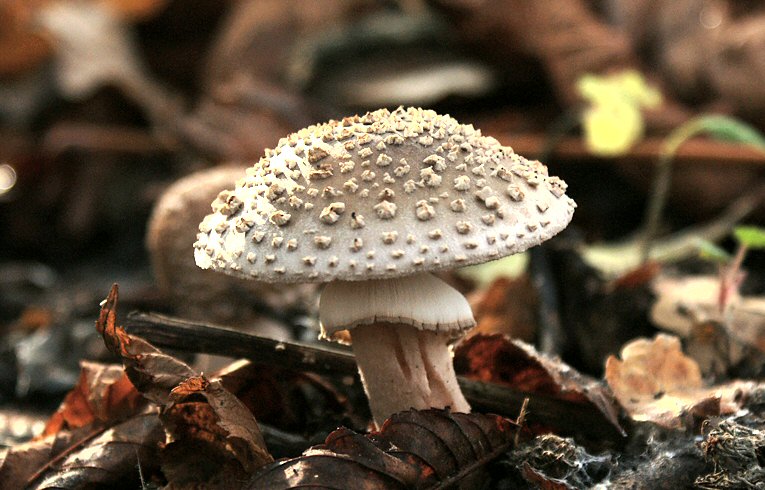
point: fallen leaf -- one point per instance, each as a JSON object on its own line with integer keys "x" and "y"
{"x": 613, "y": 121}
{"x": 289, "y": 400}
{"x": 102, "y": 394}
{"x": 718, "y": 341}
{"x": 212, "y": 436}
{"x": 110, "y": 459}
{"x": 506, "y": 306}
{"x": 684, "y": 302}
{"x": 93, "y": 46}
{"x": 413, "y": 449}
{"x": 654, "y": 381}
{"x": 151, "y": 371}
{"x": 679, "y": 299}
{"x": 452, "y": 444}
{"x": 498, "y": 359}
{"x": 19, "y": 463}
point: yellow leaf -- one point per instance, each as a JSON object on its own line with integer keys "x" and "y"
{"x": 611, "y": 130}
{"x": 613, "y": 122}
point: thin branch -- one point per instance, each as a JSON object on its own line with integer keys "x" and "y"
{"x": 182, "y": 335}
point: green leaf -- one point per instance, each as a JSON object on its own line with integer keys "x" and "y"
{"x": 712, "y": 252}
{"x": 731, "y": 129}
{"x": 717, "y": 127}
{"x": 750, "y": 236}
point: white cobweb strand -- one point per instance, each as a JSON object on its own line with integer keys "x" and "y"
{"x": 422, "y": 300}
{"x": 402, "y": 368}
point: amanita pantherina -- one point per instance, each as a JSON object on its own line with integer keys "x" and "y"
{"x": 196, "y": 293}
{"x": 385, "y": 198}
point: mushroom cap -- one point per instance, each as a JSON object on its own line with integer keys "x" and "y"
{"x": 171, "y": 230}
{"x": 422, "y": 301}
{"x": 382, "y": 195}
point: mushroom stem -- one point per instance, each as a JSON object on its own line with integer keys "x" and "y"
{"x": 403, "y": 367}
{"x": 400, "y": 330}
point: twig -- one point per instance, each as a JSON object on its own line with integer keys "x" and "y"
{"x": 182, "y": 335}
{"x": 64, "y": 454}
{"x": 521, "y": 419}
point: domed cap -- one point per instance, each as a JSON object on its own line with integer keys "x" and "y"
{"x": 382, "y": 195}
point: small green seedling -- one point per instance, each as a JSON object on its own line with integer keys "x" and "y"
{"x": 731, "y": 274}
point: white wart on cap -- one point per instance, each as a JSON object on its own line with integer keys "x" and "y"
{"x": 377, "y": 196}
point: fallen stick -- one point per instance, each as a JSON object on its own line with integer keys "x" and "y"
{"x": 187, "y": 336}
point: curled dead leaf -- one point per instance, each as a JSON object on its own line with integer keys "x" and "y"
{"x": 151, "y": 371}
{"x": 498, "y": 359}
{"x": 213, "y": 439}
{"x": 680, "y": 299}
{"x": 212, "y": 436}
{"x": 654, "y": 381}
{"x": 413, "y": 449}
{"x": 203, "y": 414}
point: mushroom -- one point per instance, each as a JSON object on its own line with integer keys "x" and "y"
{"x": 371, "y": 205}
{"x": 172, "y": 228}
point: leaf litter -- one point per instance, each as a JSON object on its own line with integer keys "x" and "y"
{"x": 156, "y": 420}
{"x": 182, "y": 429}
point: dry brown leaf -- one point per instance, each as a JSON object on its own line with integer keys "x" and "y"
{"x": 507, "y": 306}
{"x": 209, "y": 432}
{"x": 19, "y": 463}
{"x": 654, "y": 381}
{"x": 685, "y": 302}
{"x": 134, "y": 9}
{"x": 110, "y": 459}
{"x": 413, "y": 449}
{"x": 23, "y": 49}
{"x": 289, "y": 400}
{"x": 83, "y": 459}
{"x": 747, "y": 321}
{"x": 718, "y": 341}
{"x": 213, "y": 437}
{"x": 498, "y": 359}
{"x": 151, "y": 371}
{"x": 102, "y": 394}
{"x": 680, "y": 299}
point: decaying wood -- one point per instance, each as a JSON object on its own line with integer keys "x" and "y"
{"x": 179, "y": 334}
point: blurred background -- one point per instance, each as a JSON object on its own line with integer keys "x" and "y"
{"x": 120, "y": 120}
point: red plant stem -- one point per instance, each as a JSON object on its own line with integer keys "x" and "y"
{"x": 730, "y": 278}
